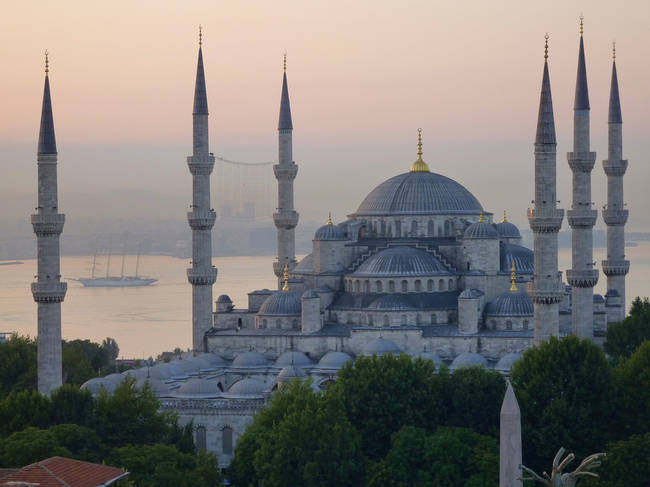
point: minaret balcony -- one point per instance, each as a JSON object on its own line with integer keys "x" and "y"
{"x": 49, "y": 292}
{"x": 200, "y": 165}
{"x": 615, "y": 168}
{"x": 581, "y": 161}
{"x": 278, "y": 267}
{"x": 285, "y": 171}
{"x": 47, "y": 224}
{"x": 582, "y": 218}
{"x": 202, "y": 277}
{"x": 582, "y": 277}
{"x": 547, "y": 290}
{"x": 616, "y": 267}
{"x": 286, "y": 219}
{"x": 545, "y": 220}
{"x": 201, "y": 220}
{"x": 615, "y": 217}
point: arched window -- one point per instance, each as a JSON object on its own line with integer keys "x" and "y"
{"x": 398, "y": 228}
{"x": 447, "y": 228}
{"x": 226, "y": 440}
{"x": 357, "y": 286}
{"x": 441, "y": 285}
{"x": 370, "y": 320}
{"x": 220, "y": 386}
{"x": 525, "y": 324}
{"x": 362, "y": 319}
{"x": 383, "y": 228}
{"x": 278, "y": 323}
{"x": 348, "y": 318}
{"x": 334, "y": 318}
{"x": 404, "y": 320}
{"x": 434, "y": 319}
{"x": 391, "y": 286}
{"x": 294, "y": 324}
{"x": 430, "y": 285}
{"x": 430, "y": 228}
{"x": 366, "y": 287}
{"x": 405, "y": 286}
{"x": 508, "y": 325}
{"x": 379, "y": 287}
{"x": 451, "y": 284}
{"x": 418, "y": 286}
{"x": 264, "y": 323}
{"x": 386, "y": 320}
{"x": 418, "y": 320}
{"x": 414, "y": 228}
{"x": 199, "y": 438}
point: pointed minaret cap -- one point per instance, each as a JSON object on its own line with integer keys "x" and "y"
{"x": 284, "y": 123}
{"x": 46, "y": 138}
{"x": 581, "y": 101}
{"x": 200, "y": 93}
{"x": 614, "y": 100}
{"x": 510, "y": 406}
{"x": 545, "y": 121}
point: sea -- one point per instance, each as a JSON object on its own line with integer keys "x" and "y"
{"x": 148, "y": 320}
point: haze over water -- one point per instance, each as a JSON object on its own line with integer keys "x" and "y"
{"x": 148, "y": 320}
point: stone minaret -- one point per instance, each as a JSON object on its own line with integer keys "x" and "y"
{"x": 48, "y": 290}
{"x": 286, "y": 218}
{"x": 614, "y": 214}
{"x": 545, "y": 220}
{"x": 510, "y": 473}
{"x": 202, "y": 275}
{"x": 582, "y": 277}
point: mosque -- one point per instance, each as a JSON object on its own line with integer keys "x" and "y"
{"x": 420, "y": 267}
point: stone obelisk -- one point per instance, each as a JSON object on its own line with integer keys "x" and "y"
{"x": 510, "y": 441}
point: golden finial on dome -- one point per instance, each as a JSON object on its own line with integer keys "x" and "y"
{"x": 481, "y": 218}
{"x": 614, "y": 50}
{"x": 329, "y": 220}
{"x": 419, "y": 165}
{"x": 513, "y": 278}
{"x": 505, "y": 217}
{"x": 284, "y": 63}
{"x": 200, "y": 35}
{"x": 546, "y": 46}
{"x": 581, "y": 25}
{"x": 285, "y": 288}
{"x": 47, "y": 62}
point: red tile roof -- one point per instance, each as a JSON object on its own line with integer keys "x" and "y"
{"x": 65, "y": 472}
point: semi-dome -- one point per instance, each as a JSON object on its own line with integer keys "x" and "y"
{"x": 224, "y": 298}
{"x": 419, "y": 193}
{"x": 305, "y": 265}
{"x": 510, "y": 303}
{"x": 289, "y": 373}
{"x": 199, "y": 387}
{"x": 468, "y": 359}
{"x": 401, "y": 261}
{"x": 334, "y": 360}
{"x": 96, "y": 384}
{"x": 250, "y": 359}
{"x": 506, "y": 362}
{"x": 248, "y": 386}
{"x": 479, "y": 230}
{"x": 507, "y": 230}
{"x": 293, "y": 357}
{"x": 281, "y": 303}
{"x": 380, "y": 346}
{"x": 522, "y": 257}
{"x": 329, "y": 232}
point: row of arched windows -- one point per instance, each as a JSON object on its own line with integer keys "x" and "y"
{"x": 395, "y": 320}
{"x": 414, "y": 228}
{"x": 358, "y": 286}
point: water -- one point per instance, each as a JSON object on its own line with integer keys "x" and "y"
{"x": 148, "y": 320}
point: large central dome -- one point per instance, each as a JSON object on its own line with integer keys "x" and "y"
{"x": 419, "y": 193}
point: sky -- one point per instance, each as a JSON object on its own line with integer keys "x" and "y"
{"x": 363, "y": 77}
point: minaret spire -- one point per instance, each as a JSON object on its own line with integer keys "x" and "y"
{"x": 582, "y": 276}
{"x": 202, "y": 275}
{"x": 285, "y": 218}
{"x": 615, "y": 214}
{"x": 48, "y": 290}
{"x": 546, "y": 290}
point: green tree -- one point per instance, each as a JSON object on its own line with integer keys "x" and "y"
{"x": 624, "y": 337}
{"x": 17, "y": 365}
{"x": 627, "y": 463}
{"x": 76, "y": 365}
{"x": 112, "y": 349}
{"x": 382, "y": 394}
{"x": 448, "y": 457}
{"x": 28, "y": 446}
{"x": 71, "y": 405}
{"x": 566, "y": 391}
{"x": 633, "y": 398}
{"x": 23, "y": 409}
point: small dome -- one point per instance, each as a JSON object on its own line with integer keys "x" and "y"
{"x": 310, "y": 295}
{"x": 97, "y": 384}
{"x": 156, "y": 384}
{"x": 250, "y": 359}
{"x": 598, "y": 299}
{"x": 199, "y": 387}
{"x": 329, "y": 232}
{"x": 281, "y": 303}
{"x": 214, "y": 360}
{"x": 380, "y": 346}
{"x": 521, "y": 256}
{"x": 224, "y": 298}
{"x": 510, "y": 304}
{"x": 295, "y": 358}
{"x": 401, "y": 261}
{"x": 429, "y": 356}
{"x": 480, "y": 230}
{"x": 334, "y": 360}
{"x": 468, "y": 359}
{"x": 506, "y": 362}
{"x": 115, "y": 378}
{"x": 247, "y": 387}
{"x": 181, "y": 367}
{"x": 507, "y": 230}
{"x": 391, "y": 302}
{"x": 470, "y": 294}
{"x": 289, "y": 373}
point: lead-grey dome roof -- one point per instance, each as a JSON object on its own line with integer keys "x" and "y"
{"x": 224, "y": 298}
{"x": 334, "y": 360}
{"x": 96, "y": 384}
{"x": 481, "y": 230}
{"x": 510, "y": 304}
{"x": 248, "y": 386}
{"x": 419, "y": 193}
{"x": 522, "y": 257}
{"x": 380, "y": 346}
{"x": 506, "y": 362}
{"x": 281, "y": 303}
{"x": 467, "y": 359}
{"x": 295, "y": 358}
{"x": 470, "y": 294}
{"x": 289, "y": 373}
{"x": 199, "y": 387}
{"x": 507, "y": 230}
{"x": 429, "y": 356}
{"x": 250, "y": 359}
{"x": 401, "y": 262}
{"x": 329, "y": 232}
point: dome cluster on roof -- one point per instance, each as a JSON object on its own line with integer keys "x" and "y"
{"x": 380, "y": 346}
{"x": 199, "y": 387}
{"x": 293, "y": 357}
{"x": 329, "y": 232}
{"x": 334, "y": 360}
{"x": 419, "y": 193}
{"x": 401, "y": 261}
{"x": 250, "y": 359}
{"x": 248, "y": 386}
{"x": 481, "y": 230}
{"x": 468, "y": 359}
{"x": 510, "y": 304}
{"x": 281, "y": 303}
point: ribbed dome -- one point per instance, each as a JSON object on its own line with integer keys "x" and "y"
{"x": 199, "y": 387}
{"x": 419, "y": 193}
{"x": 401, "y": 262}
{"x": 392, "y": 302}
{"x": 506, "y": 362}
{"x": 470, "y": 294}
{"x": 334, "y": 360}
{"x": 507, "y": 230}
{"x": 380, "y": 346}
{"x": 295, "y": 358}
{"x": 481, "y": 230}
{"x": 250, "y": 359}
{"x": 522, "y": 257}
{"x": 224, "y": 298}
{"x": 329, "y": 232}
{"x": 510, "y": 304}
{"x": 248, "y": 386}
{"x": 281, "y": 303}
{"x": 468, "y": 359}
